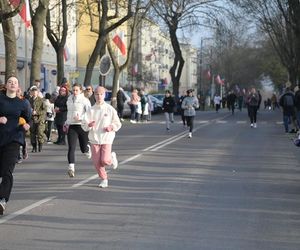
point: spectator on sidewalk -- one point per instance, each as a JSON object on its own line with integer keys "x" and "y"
{"x": 37, "y": 129}
{"x": 121, "y": 99}
{"x": 60, "y": 108}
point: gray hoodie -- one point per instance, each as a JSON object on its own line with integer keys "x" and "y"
{"x": 189, "y": 104}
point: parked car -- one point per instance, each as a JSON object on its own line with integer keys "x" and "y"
{"x": 159, "y": 96}
{"x": 126, "y": 111}
{"x": 157, "y": 104}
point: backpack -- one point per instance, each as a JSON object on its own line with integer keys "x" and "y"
{"x": 288, "y": 101}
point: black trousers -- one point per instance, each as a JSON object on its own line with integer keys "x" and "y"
{"x": 8, "y": 156}
{"x": 75, "y": 131}
{"x": 252, "y": 111}
{"x": 190, "y": 122}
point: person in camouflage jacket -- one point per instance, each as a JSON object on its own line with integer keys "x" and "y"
{"x": 37, "y": 128}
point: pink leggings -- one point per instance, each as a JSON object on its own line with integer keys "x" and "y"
{"x": 101, "y": 156}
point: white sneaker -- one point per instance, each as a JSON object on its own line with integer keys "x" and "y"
{"x": 122, "y": 120}
{"x": 190, "y": 135}
{"x": 132, "y": 121}
{"x": 88, "y": 154}
{"x": 2, "y": 206}
{"x": 251, "y": 125}
{"x": 103, "y": 184}
{"x": 114, "y": 160}
{"x": 71, "y": 170}
{"x": 255, "y": 126}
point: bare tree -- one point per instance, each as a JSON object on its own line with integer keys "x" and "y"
{"x": 177, "y": 15}
{"x": 139, "y": 13}
{"x": 98, "y": 12}
{"x": 6, "y": 13}
{"x": 57, "y": 32}
{"x": 280, "y": 20}
{"x": 38, "y": 22}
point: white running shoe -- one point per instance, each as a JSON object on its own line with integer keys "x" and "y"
{"x": 2, "y": 206}
{"x": 88, "y": 154}
{"x": 114, "y": 160}
{"x": 132, "y": 121}
{"x": 255, "y": 126}
{"x": 251, "y": 125}
{"x": 71, "y": 170}
{"x": 190, "y": 135}
{"x": 103, "y": 184}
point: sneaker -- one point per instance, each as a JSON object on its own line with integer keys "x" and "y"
{"x": 132, "y": 121}
{"x": 114, "y": 160}
{"x": 25, "y": 154}
{"x": 255, "y": 126}
{"x": 88, "y": 154}
{"x": 168, "y": 129}
{"x": 71, "y": 170}
{"x": 122, "y": 120}
{"x": 190, "y": 135}
{"x": 103, "y": 184}
{"x": 49, "y": 142}
{"x": 251, "y": 125}
{"x": 2, "y": 206}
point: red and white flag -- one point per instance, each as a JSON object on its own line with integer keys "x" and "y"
{"x": 219, "y": 80}
{"x": 24, "y": 12}
{"x": 208, "y": 74}
{"x": 119, "y": 41}
{"x": 135, "y": 69}
{"x": 66, "y": 54}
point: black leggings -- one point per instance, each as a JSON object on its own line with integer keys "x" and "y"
{"x": 190, "y": 122}
{"x": 252, "y": 111}
{"x": 8, "y": 156}
{"x": 75, "y": 131}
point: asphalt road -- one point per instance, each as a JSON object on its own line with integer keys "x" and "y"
{"x": 229, "y": 187}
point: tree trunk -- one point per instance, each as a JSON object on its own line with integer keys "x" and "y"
{"x": 60, "y": 65}
{"x": 10, "y": 48}
{"x": 9, "y": 42}
{"x": 38, "y": 22}
{"x": 115, "y": 87}
{"x": 176, "y": 69}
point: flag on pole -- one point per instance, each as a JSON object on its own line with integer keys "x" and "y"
{"x": 135, "y": 69}
{"x": 208, "y": 74}
{"x": 24, "y": 12}
{"x": 219, "y": 80}
{"x": 66, "y": 54}
{"x": 119, "y": 41}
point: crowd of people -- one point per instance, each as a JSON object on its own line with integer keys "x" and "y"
{"x": 83, "y": 115}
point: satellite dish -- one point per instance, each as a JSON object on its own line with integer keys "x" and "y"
{"x": 105, "y": 65}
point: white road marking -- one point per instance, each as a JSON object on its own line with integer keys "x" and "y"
{"x": 26, "y": 209}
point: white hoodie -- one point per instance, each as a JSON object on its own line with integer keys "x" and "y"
{"x": 77, "y": 105}
{"x": 104, "y": 116}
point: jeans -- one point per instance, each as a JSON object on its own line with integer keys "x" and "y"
{"x": 287, "y": 119}
{"x": 169, "y": 118}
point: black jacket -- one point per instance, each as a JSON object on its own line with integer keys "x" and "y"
{"x": 169, "y": 104}
{"x": 61, "y": 103}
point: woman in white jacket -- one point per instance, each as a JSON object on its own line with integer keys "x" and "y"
{"x": 77, "y": 106}
{"x": 102, "y": 122}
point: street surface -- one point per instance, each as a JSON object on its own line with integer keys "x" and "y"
{"x": 229, "y": 187}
